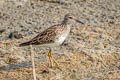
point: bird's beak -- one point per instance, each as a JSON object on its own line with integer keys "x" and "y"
{"x": 79, "y": 21}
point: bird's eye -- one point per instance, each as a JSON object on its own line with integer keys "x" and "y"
{"x": 70, "y": 17}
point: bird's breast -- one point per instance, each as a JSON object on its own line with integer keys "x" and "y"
{"x": 61, "y": 38}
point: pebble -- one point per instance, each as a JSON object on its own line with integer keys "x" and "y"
{"x": 2, "y": 30}
{"x": 15, "y": 35}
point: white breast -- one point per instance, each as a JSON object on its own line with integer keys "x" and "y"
{"x": 63, "y": 37}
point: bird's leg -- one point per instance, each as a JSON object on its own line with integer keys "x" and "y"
{"x": 55, "y": 61}
{"x": 50, "y": 57}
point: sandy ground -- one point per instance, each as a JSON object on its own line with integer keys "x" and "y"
{"x": 91, "y": 52}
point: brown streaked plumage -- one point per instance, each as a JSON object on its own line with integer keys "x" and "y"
{"x": 48, "y": 36}
{"x": 54, "y": 35}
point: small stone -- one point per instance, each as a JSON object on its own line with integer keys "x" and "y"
{"x": 2, "y": 30}
{"x": 15, "y": 35}
{"x": 118, "y": 37}
{"x": 44, "y": 71}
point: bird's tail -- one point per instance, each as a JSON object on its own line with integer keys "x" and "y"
{"x": 25, "y": 43}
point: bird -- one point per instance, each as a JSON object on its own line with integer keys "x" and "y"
{"x": 53, "y": 36}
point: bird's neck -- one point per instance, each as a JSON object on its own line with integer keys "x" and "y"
{"x": 66, "y": 22}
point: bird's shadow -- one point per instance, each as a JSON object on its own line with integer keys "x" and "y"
{"x": 16, "y": 66}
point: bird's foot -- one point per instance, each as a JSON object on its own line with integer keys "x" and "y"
{"x": 52, "y": 60}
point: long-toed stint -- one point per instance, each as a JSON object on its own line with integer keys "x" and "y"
{"x": 53, "y": 36}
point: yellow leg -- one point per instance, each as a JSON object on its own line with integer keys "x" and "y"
{"x": 55, "y": 61}
{"x": 51, "y": 58}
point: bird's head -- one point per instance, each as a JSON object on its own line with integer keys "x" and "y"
{"x": 70, "y": 17}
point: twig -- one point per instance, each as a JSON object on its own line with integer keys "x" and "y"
{"x": 33, "y": 64}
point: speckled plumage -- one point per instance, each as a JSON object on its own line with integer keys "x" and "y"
{"x": 50, "y": 35}
{"x": 54, "y": 35}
